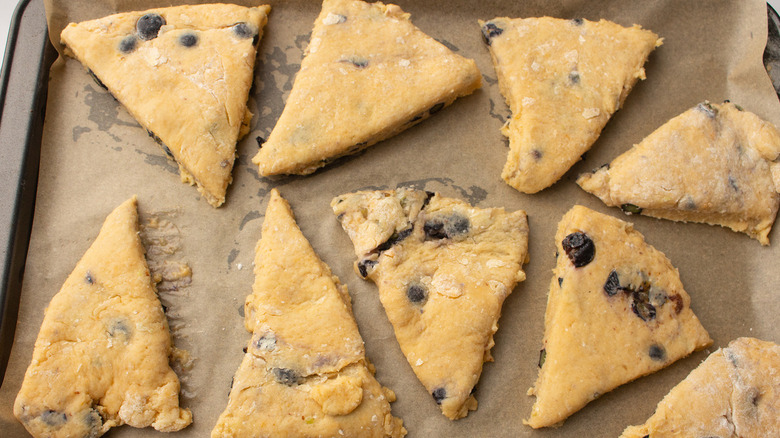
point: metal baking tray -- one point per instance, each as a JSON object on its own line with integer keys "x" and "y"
{"x": 25, "y": 72}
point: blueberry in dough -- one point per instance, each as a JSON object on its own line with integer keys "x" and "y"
{"x": 149, "y": 26}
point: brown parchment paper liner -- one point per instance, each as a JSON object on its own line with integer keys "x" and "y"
{"x": 95, "y": 156}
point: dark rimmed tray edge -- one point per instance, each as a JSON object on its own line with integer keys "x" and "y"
{"x": 24, "y": 80}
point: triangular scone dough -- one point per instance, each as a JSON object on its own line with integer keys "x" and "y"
{"x": 734, "y": 393}
{"x": 102, "y": 356}
{"x": 563, "y": 80}
{"x": 616, "y": 311}
{"x": 186, "y": 82}
{"x": 305, "y": 372}
{"x": 715, "y": 164}
{"x": 368, "y": 74}
{"x": 443, "y": 269}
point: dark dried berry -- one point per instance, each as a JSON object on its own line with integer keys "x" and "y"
{"x": 579, "y": 248}
{"x": 149, "y": 26}
{"x": 446, "y": 226}
{"x": 54, "y": 418}
{"x": 128, "y": 44}
{"x": 260, "y": 141}
{"x": 439, "y": 394}
{"x": 395, "y": 238}
{"x": 537, "y": 154}
{"x": 578, "y": 21}
{"x": 631, "y": 209}
{"x": 266, "y": 342}
{"x": 94, "y": 422}
{"x": 435, "y": 229}
{"x": 490, "y": 31}
{"x": 89, "y": 278}
{"x": 286, "y": 376}
{"x": 188, "y": 40}
{"x": 707, "y": 109}
{"x": 428, "y": 197}
{"x": 678, "y": 303}
{"x": 436, "y": 108}
{"x": 364, "y": 266}
{"x": 120, "y": 329}
{"x": 560, "y": 281}
{"x": 657, "y": 352}
{"x": 542, "y": 356}
{"x": 244, "y": 349}
{"x": 154, "y": 136}
{"x": 243, "y": 30}
{"x": 574, "y": 78}
{"x": 417, "y": 293}
{"x": 612, "y": 286}
{"x": 416, "y": 118}
{"x": 643, "y": 309}
{"x": 357, "y": 61}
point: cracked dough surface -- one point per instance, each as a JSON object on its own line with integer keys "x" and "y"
{"x": 443, "y": 269}
{"x": 619, "y": 315}
{"x": 734, "y": 393}
{"x": 716, "y": 164}
{"x": 368, "y": 74}
{"x": 190, "y": 98}
{"x": 563, "y": 80}
{"x": 305, "y": 372}
{"x": 102, "y": 355}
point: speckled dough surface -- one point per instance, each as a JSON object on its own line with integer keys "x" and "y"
{"x": 184, "y": 73}
{"x": 305, "y": 372}
{"x": 734, "y": 393}
{"x": 368, "y": 73}
{"x": 616, "y": 311}
{"x": 102, "y": 355}
{"x": 563, "y": 80}
{"x": 443, "y": 269}
{"x": 716, "y": 164}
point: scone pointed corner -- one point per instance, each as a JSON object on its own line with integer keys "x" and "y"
{"x": 184, "y": 73}
{"x": 102, "y": 355}
{"x": 616, "y": 311}
{"x": 443, "y": 270}
{"x": 714, "y": 163}
{"x": 305, "y": 372}
{"x": 561, "y": 95}
{"x": 367, "y": 74}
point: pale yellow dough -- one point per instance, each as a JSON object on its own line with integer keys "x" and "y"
{"x": 716, "y": 164}
{"x": 443, "y": 269}
{"x": 305, "y": 373}
{"x": 598, "y": 336}
{"x": 734, "y": 393}
{"x": 368, "y": 74}
{"x": 102, "y": 356}
{"x": 563, "y": 80}
{"x": 192, "y": 99}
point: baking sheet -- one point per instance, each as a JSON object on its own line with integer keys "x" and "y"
{"x": 94, "y": 156}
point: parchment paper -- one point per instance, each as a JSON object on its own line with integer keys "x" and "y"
{"x": 95, "y": 156}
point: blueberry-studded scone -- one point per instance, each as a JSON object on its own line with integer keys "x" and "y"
{"x": 102, "y": 355}
{"x": 184, "y": 73}
{"x": 616, "y": 311}
{"x": 716, "y": 164}
{"x": 563, "y": 80}
{"x": 443, "y": 269}
{"x": 368, "y": 74}
{"x": 305, "y": 372}
{"x": 734, "y": 393}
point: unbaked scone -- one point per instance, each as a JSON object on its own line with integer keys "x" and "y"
{"x": 184, "y": 73}
{"x": 305, "y": 372}
{"x": 368, "y": 74}
{"x": 734, "y": 393}
{"x": 616, "y": 311}
{"x": 716, "y": 164}
{"x": 443, "y": 269}
{"x": 563, "y": 80}
{"x": 102, "y": 356}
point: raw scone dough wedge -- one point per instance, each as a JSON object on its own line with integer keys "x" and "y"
{"x": 716, "y": 164}
{"x": 184, "y": 73}
{"x": 734, "y": 393}
{"x": 443, "y": 269}
{"x": 305, "y": 372}
{"x": 563, "y": 80}
{"x": 368, "y": 74}
{"x": 102, "y": 356}
{"x": 616, "y": 311}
